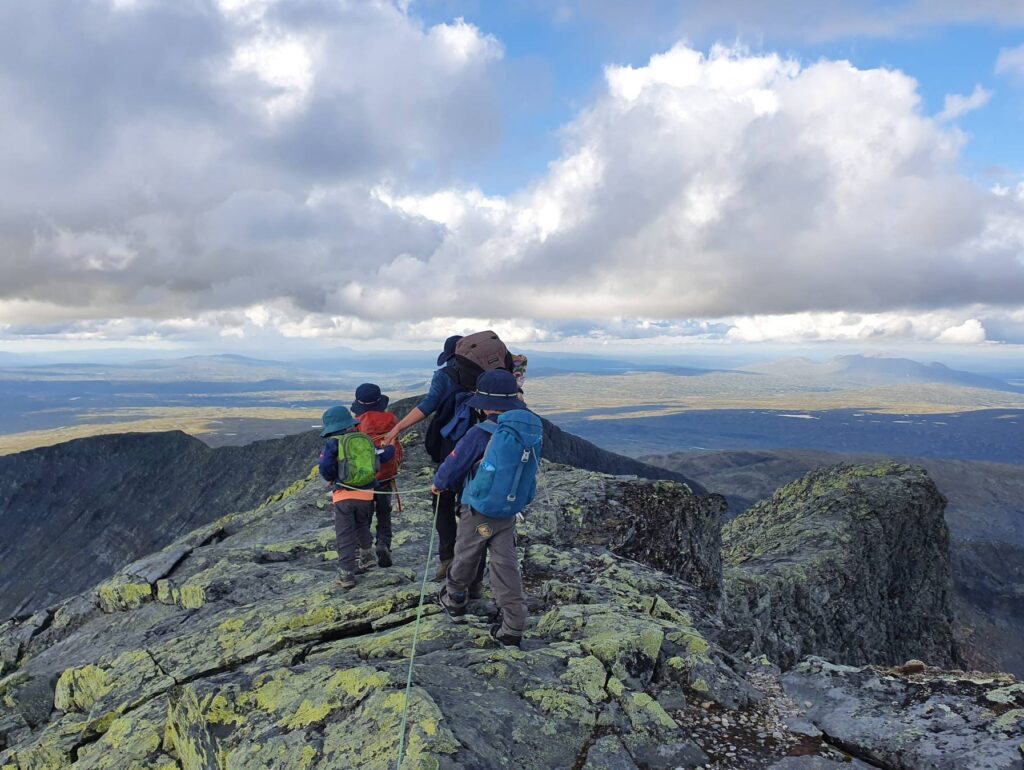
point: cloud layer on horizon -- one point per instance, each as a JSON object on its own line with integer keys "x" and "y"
{"x": 248, "y": 167}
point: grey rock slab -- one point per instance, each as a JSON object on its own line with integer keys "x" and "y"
{"x": 918, "y": 723}
{"x": 818, "y": 763}
{"x": 608, "y": 753}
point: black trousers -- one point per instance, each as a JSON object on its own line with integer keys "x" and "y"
{"x": 447, "y": 525}
{"x": 382, "y": 509}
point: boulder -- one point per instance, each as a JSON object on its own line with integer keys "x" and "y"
{"x": 850, "y": 563}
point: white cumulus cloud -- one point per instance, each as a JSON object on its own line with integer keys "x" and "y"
{"x": 957, "y": 105}
{"x": 260, "y": 166}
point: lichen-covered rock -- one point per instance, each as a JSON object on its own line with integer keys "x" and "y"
{"x": 659, "y": 523}
{"x": 935, "y": 720}
{"x": 850, "y": 563}
{"x": 243, "y": 654}
{"x": 234, "y": 648}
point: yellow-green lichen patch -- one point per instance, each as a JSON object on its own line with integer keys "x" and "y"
{"x": 562, "y": 704}
{"x": 79, "y": 688}
{"x": 645, "y": 713}
{"x": 1004, "y": 695}
{"x": 120, "y": 594}
{"x": 369, "y": 738}
{"x": 587, "y": 675}
{"x": 134, "y": 740}
{"x": 106, "y": 690}
{"x": 51, "y": 750}
{"x": 290, "y": 490}
{"x": 187, "y": 596}
{"x": 1010, "y": 722}
{"x": 691, "y": 641}
{"x": 626, "y": 645}
{"x": 356, "y": 682}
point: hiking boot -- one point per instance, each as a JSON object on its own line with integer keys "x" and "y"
{"x": 383, "y": 556}
{"x": 442, "y": 569}
{"x": 476, "y": 591}
{"x": 346, "y": 580}
{"x": 505, "y": 640}
{"x": 366, "y": 560}
{"x": 454, "y": 605}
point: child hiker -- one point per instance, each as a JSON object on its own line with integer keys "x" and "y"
{"x": 370, "y": 409}
{"x": 495, "y": 464}
{"x": 349, "y": 462}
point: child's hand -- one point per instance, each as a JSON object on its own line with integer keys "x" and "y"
{"x": 435, "y": 491}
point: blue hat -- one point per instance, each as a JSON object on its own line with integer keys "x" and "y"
{"x": 496, "y": 390}
{"x": 336, "y": 419}
{"x": 369, "y": 399}
{"x": 449, "y": 349}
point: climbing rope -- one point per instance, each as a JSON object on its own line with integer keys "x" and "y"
{"x": 416, "y": 636}
{"x": 396, "y": 492}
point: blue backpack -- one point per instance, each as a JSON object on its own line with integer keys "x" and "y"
{"x": 506, "y": 478}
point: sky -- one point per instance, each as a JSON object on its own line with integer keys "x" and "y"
{"x": 271, "y": 175}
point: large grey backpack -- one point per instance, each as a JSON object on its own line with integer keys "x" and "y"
{"x": 479, "y": 353}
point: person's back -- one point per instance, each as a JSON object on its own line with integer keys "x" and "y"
{"x": 349, "y": 462}
{"x": 495, "y": 464}
{"x": 370, "y": 408}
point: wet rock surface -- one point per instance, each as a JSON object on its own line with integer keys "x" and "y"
{"x": 233, "y": 648}
{"x": 850, "y": 563}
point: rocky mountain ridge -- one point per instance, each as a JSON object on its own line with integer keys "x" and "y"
{"x": 232, "y": 648}
{"x": 95, "y": 504}
{"x": 985, "y": 515}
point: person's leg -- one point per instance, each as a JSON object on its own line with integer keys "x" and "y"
{"x": 345, "y": 535}
{"x": 469, "y": 550}
{"x": 382, "y": 504}
{"x": 447, "y": 526}
{"x": 365, "y": 557}
{"x": 382, "y": 508}
{"x": 506, "y": 580}
{"x": 476, "y": 588}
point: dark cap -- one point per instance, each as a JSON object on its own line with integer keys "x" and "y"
{"x": 449, "y": 349}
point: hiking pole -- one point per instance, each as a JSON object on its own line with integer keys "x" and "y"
{"x": 416, "y": 636}
{"x": 398, "y": 496}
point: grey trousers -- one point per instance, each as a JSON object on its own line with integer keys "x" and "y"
{"x": 352, "y": 529}
{"x": 477, "y": 535}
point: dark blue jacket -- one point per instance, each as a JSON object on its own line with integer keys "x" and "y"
{"x": 441, "y": 384}
{"x": 329, "y": 460}
{"x": 452, "y": 473}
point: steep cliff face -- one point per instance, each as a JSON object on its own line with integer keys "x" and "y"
{"x": 985, "y": 515}
{"x": 232, "y": 648}
{"x": 72, "y": 514}
{"x": 95, "y": 504}
{"x": 850, "y": 563}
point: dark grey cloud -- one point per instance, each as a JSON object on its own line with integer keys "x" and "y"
{"x": 159, "y": 158}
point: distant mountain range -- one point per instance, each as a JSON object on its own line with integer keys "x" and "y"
{"x": 878, "y": 370}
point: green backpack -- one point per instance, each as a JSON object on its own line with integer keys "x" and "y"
{"x": 357, "y": 460}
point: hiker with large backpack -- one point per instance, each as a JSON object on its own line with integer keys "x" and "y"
{"x": 349, "y": 462}
{"x": 463, "y": 360}
{"x": 370, "y": 410}
{"x": 495, "y": 465}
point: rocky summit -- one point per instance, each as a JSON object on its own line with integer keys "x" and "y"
{"x": 233, "y": 648}
{"x": 850, "y": 563}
